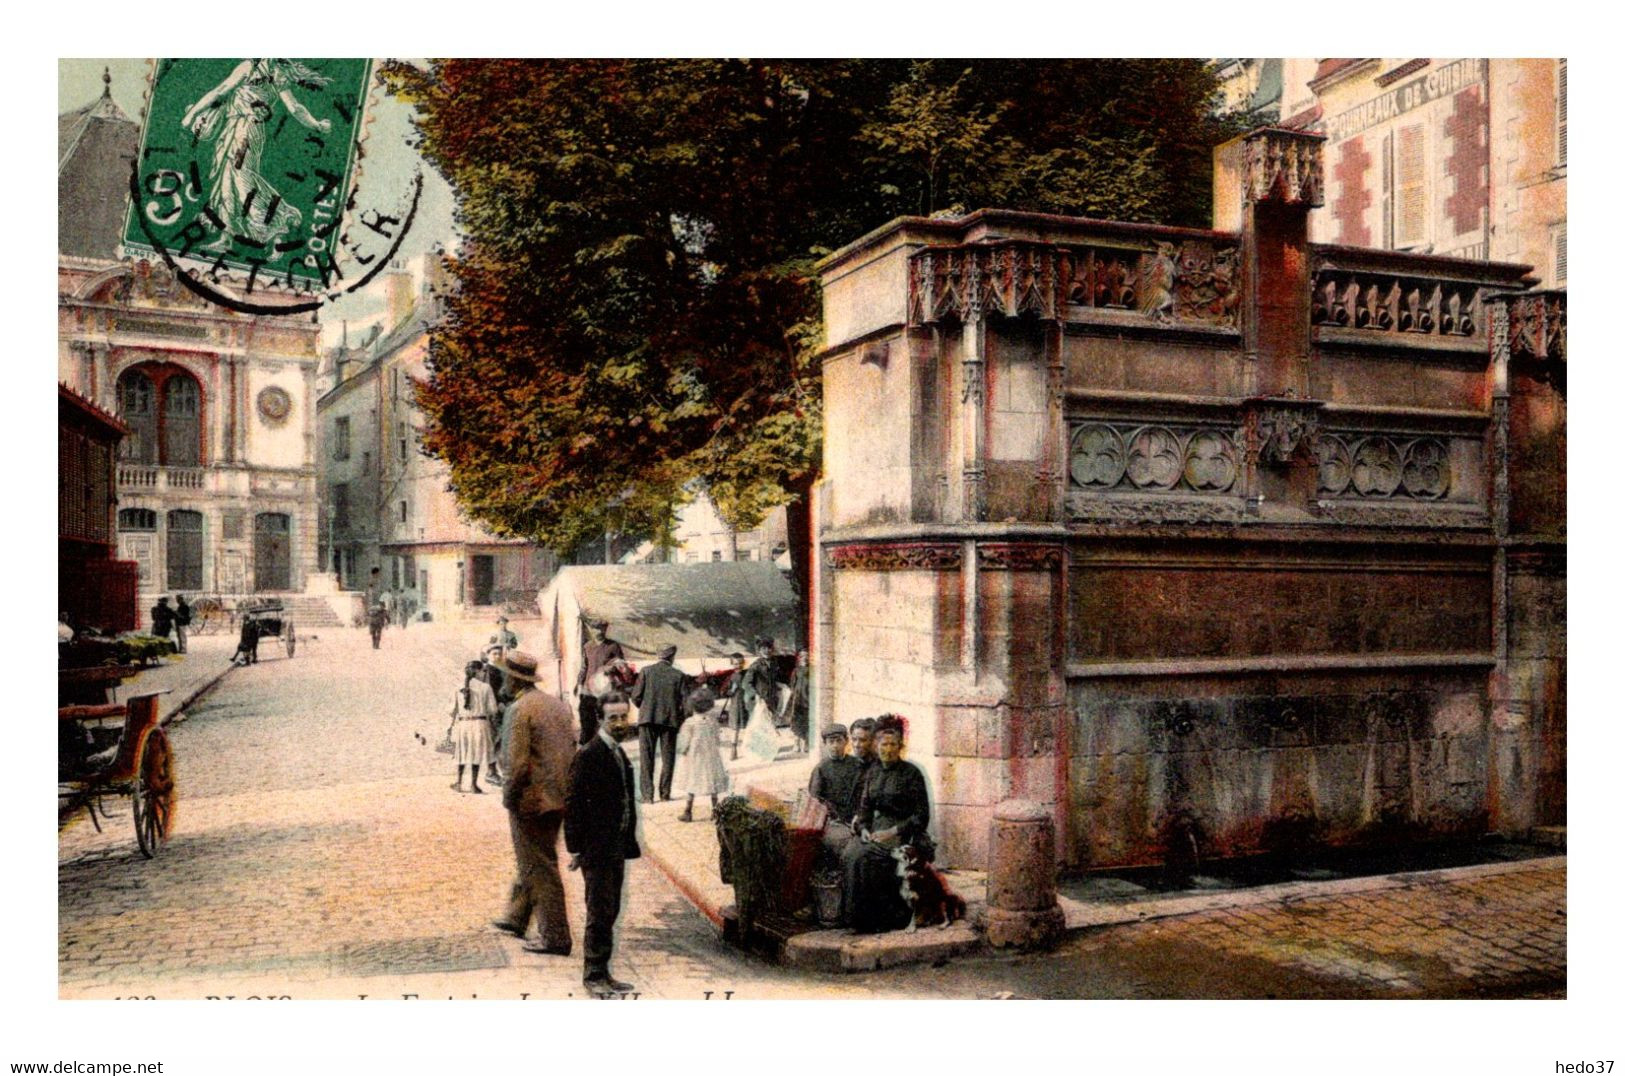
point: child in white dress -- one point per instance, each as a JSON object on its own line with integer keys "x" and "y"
{"x": 471, "y": 711}
{"x": 699, "y": 749}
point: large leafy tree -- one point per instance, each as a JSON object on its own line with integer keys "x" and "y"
{"x": 636, "y": 312}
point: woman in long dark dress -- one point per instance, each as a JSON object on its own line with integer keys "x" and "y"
{"x": 893, "y": 810}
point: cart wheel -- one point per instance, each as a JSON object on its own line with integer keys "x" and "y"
{"x": 152, "y": 796}
{"x": 289, "y": 640}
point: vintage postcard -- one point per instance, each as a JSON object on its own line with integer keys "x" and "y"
{"x": 837, "y": 529}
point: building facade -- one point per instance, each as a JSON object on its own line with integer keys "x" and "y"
{"x": 1212, "y": 542}
{"x": 386, "y": 505}
{"x": 1462, "y": 158}
{"x": 701, "y": 535}
{"x": 216, "y": 482}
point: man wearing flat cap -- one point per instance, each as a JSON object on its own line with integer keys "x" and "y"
{"x": 835, "y": 779}
{"x": 658, "y": 695}
{"x": 541, "y": 745}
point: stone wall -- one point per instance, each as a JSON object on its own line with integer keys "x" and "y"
{"x": 1192, "y": 768}
{"x": 1200, "y": 540}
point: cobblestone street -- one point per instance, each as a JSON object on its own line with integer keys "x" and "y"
{"x": 318, "y": 852}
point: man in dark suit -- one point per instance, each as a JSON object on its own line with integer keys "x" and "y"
{"x": 600, "y": 833}
{"x": 658, "y": 695}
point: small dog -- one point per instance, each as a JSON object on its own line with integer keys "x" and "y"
{"x": 929, "y": 899}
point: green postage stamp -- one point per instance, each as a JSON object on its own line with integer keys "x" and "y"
{"x": 247, "y": 165}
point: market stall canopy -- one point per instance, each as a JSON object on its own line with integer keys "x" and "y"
{"x": 707, "y": 611}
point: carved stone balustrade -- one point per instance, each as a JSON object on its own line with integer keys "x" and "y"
{"x": 1172, "y": 280}
{"x": 1396, "y": 299}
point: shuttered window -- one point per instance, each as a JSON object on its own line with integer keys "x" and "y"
{"x": 1562, "y": 113}
{"x": 1560, "y": 256}
{"x": 1388, "y": 191}
{"x": 1410, "y": 168}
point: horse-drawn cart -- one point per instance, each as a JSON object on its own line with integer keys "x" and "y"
{"x": 269, "y": 623}
{"x": 114, "y": 749}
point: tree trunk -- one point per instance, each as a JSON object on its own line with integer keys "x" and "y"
{"x": 799, "y": 535}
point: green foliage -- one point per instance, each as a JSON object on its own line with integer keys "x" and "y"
{"x": 637, "y": 313}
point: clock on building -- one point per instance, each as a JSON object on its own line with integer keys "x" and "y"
{"x": 274, "y": 404}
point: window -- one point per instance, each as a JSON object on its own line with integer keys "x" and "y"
{"x": 1388, "y": 191}
{"x": 231, "y": 524}
{"x": 1410, "y": 195}
{"x": 394, "y": 573}
{"x": 136, "y": 410}
{"x": 137, "y": 519}
{"x": 341, "y": 506}
{"x": 716, "y": 554}
{"x": 1563, "y": 114}
{"x": 185, "y": 550}
{"x": 1560, "y": 255}
{"x": 181, "y": 433}
{"x": 341, "y": 437}
{"x": 366, "y": 463}
{"x": 400, "y": 431}
{"x": 403, "y": 511}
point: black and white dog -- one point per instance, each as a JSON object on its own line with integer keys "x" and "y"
{"x": 930, "y": 901}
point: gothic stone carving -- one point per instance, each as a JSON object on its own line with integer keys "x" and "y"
{"x": 1283, "y": 166}
{"x": 1189, "y": 282}
{"x": 1377, "y": 466}
{"x": 1277, "y": 425}
{"x": 1122, "y": 507}
{"x": 896, "y": 556}
{"x": 1395, "y": 304}
{"x": 1018, "y": 556}
{"x": 1537, "y": 336}
{"x": 1153, "y": 458}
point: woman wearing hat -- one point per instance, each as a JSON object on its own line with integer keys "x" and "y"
{"x": 893, "y": 810}
{"x": 699, "y": 754}
{"x": 471, "y": 711}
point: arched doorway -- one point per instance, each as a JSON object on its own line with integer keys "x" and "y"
{"x": 272, "y": 558}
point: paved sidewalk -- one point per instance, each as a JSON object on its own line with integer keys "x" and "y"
{"x": 185, "y": 677}
{"x": 1464, "y": 931}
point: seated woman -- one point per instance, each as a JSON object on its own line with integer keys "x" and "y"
{"x": 892, "y": 812}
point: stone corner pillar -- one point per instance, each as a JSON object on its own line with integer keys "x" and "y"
{"x": 1022, "y": 912}
{"x": 1281, "y": 183}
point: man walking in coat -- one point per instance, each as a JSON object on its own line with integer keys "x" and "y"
{"x": 541, "y": 746}
{"x": 599, "y": 652}
{"x": 600, "y": 831}
{"x": 658, "y": 695}
{"x": 163, "y": 618}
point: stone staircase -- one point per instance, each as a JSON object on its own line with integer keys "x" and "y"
{"x": 309, "y": 611}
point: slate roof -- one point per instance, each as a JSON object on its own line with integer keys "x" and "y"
{"x": 96, "y": 146}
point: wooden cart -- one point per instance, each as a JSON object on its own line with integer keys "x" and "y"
{"x": 270, "y": 623}
{"x": 115, "y": 749}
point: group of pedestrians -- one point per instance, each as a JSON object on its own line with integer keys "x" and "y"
{"x": 167, "y": 620}
{"x": 565, "y": 773}
{"x": 553, "y": 783}
{"x": 558, "y": 777}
